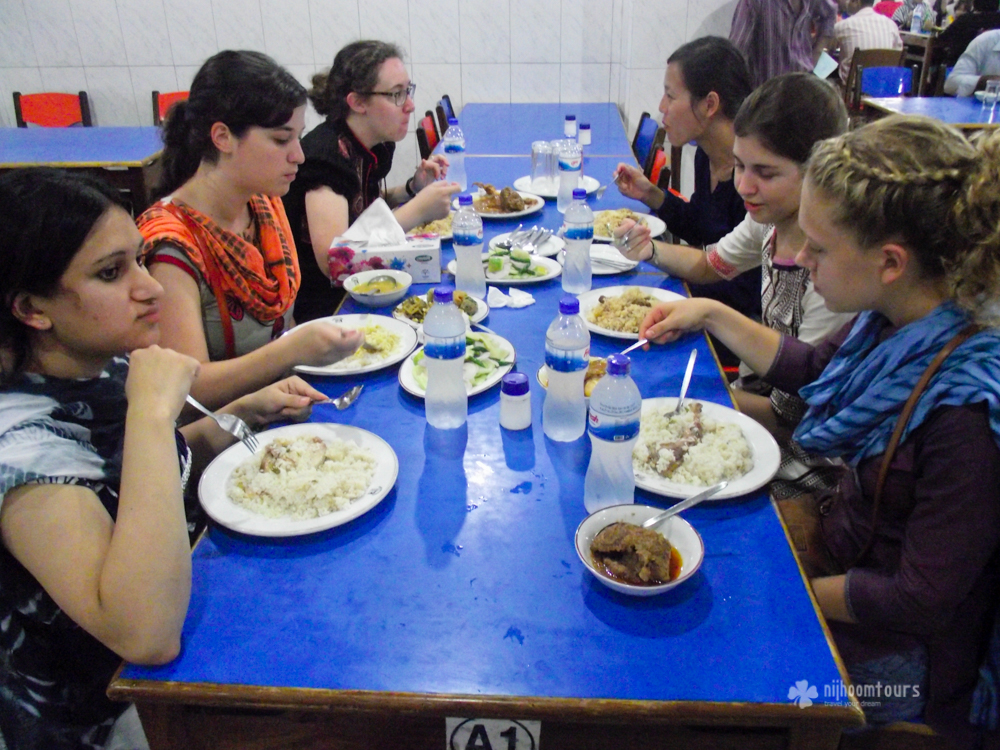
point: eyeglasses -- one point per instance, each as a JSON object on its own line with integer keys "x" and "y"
{"x": 398, "y": 97}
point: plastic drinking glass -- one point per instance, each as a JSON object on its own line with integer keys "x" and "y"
{"x": 541, "y": 156}
{"x": 992, "y": 92}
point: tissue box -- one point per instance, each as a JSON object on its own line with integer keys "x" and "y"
{"x": 419, "y": 256}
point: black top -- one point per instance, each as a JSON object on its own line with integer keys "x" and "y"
{"x": 953, "y": 40}
{"x": 336, "y": 159}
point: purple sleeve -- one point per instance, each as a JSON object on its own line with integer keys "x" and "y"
{"x": 742, "y": 27}
{"x": 824, "y": 16}
{"x": 798, "y": 363}
{"x": 951, "y": 533}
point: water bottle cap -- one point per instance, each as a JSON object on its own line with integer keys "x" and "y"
{"x": 584, "y": 126}
{"x": 579, "y": 194}
{"x": 442, "y": 294}
{"x": 465, "y": 199}
{"x": 514, "y": 384}
{"x": 570, "y": 117}
{"x": 619, "y": 364}
{"x": 453, "y": 121}
{"x": 569, "y": 305}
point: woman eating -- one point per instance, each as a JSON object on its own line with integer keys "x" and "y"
{"x": 367, "y": 99}
{"x": 218, "y": 239}
{"x": 901, "y": 221}
{"x": 96, "y": 557}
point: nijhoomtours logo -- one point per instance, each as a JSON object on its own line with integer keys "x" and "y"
{"x": 867, "y": 694}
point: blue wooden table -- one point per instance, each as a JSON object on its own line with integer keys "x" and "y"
{"x": 461, "y": 595}
{"x": 124, "y": 156}
{"x": 966, "y": 112}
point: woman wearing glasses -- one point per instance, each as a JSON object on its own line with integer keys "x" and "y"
{"x": 367, "y": 99}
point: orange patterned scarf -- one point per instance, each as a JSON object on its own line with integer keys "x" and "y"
{"x": 264, "y": 280}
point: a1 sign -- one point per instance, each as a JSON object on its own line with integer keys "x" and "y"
{"x": 492, "y": 734}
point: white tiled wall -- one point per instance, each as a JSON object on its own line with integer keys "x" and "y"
{"x": 474, "y": 50}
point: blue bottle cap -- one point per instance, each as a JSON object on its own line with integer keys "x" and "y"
{"x": 584, "y": 126}
{"x": 569, "y": 305}
{"x": 514, "y": 384}
{"x": 453, "y": 121}
{"x": 619, "y": 364}
{"x": 465, "y": 199}
{"x": 570, "y": 117}
{"x": 442, "y": 294}
{"x": 579, "y": 194}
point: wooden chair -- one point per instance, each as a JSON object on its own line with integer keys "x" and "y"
{"x": 867, "y": 58}
{"x": 427, "y": 135}
{"x": 52, "y": 110}
{"x": 163, "y": 102}
{"x": 643, "y": 141}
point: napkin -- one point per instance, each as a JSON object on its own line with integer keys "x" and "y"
{"x": 377, "y": 226}
{"x": 513, "y": 298}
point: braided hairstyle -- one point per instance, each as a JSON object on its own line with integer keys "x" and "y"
{"x": 919, "y": 182}
{"x": 355, "y": 69}
{"x": 241, "y": 89}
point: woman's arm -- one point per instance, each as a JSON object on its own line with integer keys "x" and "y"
{"x": 127, "y": 583}
{"x": 327, "y": 217}
{"x": 431, "y": 203}
{"x": 688, "y": 263}
{"x": 218, "y": 383}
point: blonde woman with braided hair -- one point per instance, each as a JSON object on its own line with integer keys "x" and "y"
{"x": 902, "y": 226}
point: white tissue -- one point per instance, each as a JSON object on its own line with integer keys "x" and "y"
{"x": 377, "y": 226}
{"x": 514, "y": 298}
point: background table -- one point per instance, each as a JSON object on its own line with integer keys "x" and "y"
{"x": 124, "y": 157}
{"x": 966, "y": 113}
{"x": 461, "y": 593}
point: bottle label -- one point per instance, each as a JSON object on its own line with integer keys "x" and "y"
{"x": 454, "y": 148}
{"x": 579, "y": 232}
{"x": 570, "y": 164}
{"x": 614, "y": 429}
{"x": 445, "y": 348}
{"x": 563, "y": 360}
{"x": 468, "y": 238}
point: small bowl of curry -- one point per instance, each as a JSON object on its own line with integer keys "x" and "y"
{"x": 378, "y": 287}
{"x": 635, "y": 561}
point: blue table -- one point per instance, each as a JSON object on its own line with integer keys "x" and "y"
{"x": 966, "y": 112}
{"x": 461, "y": 595}
{"x": 123, "y": 156}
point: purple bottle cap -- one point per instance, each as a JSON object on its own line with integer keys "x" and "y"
{"x": 579, "y": 194}
{"x": 442, "y": 294}
{"x": 569, "y": 305}
{"x": 465, "y": 199}
{"x": 514, "y": 384}
{"x": 619, "y": 364}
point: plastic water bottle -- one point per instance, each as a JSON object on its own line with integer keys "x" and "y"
{"x": 467, "y": 240}
{"x": 570, "y": 171}
{"x": 454, "y": 149}
{"x": 446, "y": 402}
{"x": 917, "y": 20}
{"x": 577, "y": 274}
{"x": 613, "y": 424}
{"x": 567, "y": 355}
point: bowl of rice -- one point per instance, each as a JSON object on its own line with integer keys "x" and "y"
{"x": 356, "y": 286}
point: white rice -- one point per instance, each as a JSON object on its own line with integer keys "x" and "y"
{"x": 722, "y": 453}
{"x": 304, "y": 477}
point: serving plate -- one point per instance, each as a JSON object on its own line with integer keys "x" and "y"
{"x": 411, "y": 386}
{"x": 538, "y": 205}
{"x": 482, "y": 310}
{"x": 440, "y": 235}
{"x": 656, "y": 226}
{"x": 553, "y": 269}
{"x": 215, "y": 499}
{"x": 616, "y": 262}
{"x": 549, "y": 248}
{"x": 590, "y": 184}
{"x": 589, "y": 300}
{"x": 367, "y": 363}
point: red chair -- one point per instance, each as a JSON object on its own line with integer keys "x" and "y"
{"x": 659, "y": 162}
{"x": 427, "y": 135}
{"x": 163, "y": 102}
{"x": 52, "y": 110}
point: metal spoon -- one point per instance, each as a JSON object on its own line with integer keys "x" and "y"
{"x": 636, "y": 345}
{"x": 346, "y": 399}
{"x": 687, "y": 379}
{"x": 689, "y": 503}
{"x": 600, "y": 191}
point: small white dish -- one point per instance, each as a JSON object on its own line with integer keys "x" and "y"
{"x": 552, "y": 269}
{"x": 677, "y": 531}
{"x": 590, "y": 184}
{"x": 383, "y": 299}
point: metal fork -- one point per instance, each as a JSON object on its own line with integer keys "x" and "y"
{"x": 535, "y": 240}
{"x": 231, "y": 424}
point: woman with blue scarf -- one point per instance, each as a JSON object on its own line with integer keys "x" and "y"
{"x": 902, "y": 219}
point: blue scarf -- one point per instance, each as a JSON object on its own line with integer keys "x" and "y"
{"x": 854, "y": 405}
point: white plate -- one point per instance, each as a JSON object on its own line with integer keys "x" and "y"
{"x": 216, "y": 502}
{"x": 482, "y": 310}
{"x": 443, "y": 236}
{"x": 598, "y": 251}
{"x": 537, "y": 206}
{"x": 656, "y": 227}
{"x": 590, "y": 184}
{"x": 678, "y": 532}
{"x": 589, "y": 300}
{"x": 407, "y": 340}
{"x": 411, "y": 386}
{"x": 766, "y": 454}
{"x": 548, "y": 249}
{"x": 554, "y": 269}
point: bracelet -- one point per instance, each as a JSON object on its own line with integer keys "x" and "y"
{"x": 408, "y": 187}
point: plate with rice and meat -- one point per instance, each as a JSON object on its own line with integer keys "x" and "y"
{"x": 617, "y": 311}
{"x": 305, "y": 478}
{"x": 387, "y": 341}
{"x": 606, "y": 222}
{"x": 678, "y": 454}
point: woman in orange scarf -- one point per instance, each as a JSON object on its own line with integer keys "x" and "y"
{"x": 218, "y": 239}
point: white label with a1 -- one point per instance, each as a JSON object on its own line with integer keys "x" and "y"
{"x": 491, "y": 734}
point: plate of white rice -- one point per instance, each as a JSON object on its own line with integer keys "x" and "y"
{"x": 617, "y": 311}
{"x": 731, "y": 446}
{"x": 393, "y": 340}
{"x": 305, "y": 478}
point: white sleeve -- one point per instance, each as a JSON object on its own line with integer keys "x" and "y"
{"x": 817, "y": 321}
{"x": 738, "y": 251}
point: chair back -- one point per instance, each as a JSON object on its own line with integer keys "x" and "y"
{"x": 163, "y": 102}
{"x": 52, "y": 110}
{"x": 659, "y": 162}
{"x": 867, "y": 58}
{"x": 442, "y": 118}
{"x": 882, "y": 81}
{"x": 676, "y": 153}
{"x": 427, "y": 135}
{"x": 449, "y": 111}
{"x": 645, "y": 135}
